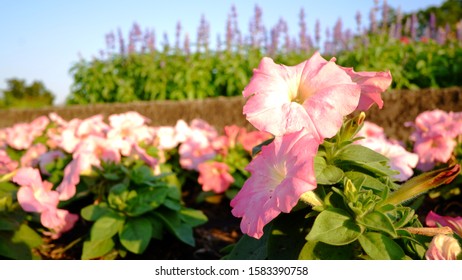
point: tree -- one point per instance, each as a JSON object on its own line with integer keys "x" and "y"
{"x": 20, "y": 95}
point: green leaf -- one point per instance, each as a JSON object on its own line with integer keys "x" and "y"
{"x": 193, "y": 217}
{"x": 157, "y": 226}
{"x": 172, "y": 221}
{"x": 106, "y": 227}
{"x": 96, "y": 248}
{"x": 322, "y": 251}
{"x": 361, "y": 180}
{"x": 94, "y": 212}
{"x": 136, "y": 234}
{"x": 28, "y": 236}
{"x": 326, "y": 174}
{"x": 378, "y": 221}
{"x": 335, "y": 227}
{"x": 146, "y": 199}
{"x": 14, "y": 251}
{"x": 380, "y": 247}
{"x": 286, "y": 235}
{"x": 360, "y": 153}
{"x": 249, "y": 248}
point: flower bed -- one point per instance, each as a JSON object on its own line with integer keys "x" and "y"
{"x": 312, "y": 180}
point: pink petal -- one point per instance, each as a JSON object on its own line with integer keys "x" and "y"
{"x": 281, "y": 173}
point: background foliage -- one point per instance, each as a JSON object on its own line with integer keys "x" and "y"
{"x": 421, "y": 50}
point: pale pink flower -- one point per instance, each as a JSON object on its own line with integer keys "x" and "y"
{"x": 129, "y": 127}
{"x": 54, "y": 117}
{"x": 22, "y": 135}
{"x": 127, "y": 120}
{"x": 67, "y": 187}
{"x": 198, "y": 146}
{"x": 443, "y": 247}
{"x": 94, "y": 126}
{"x": 31, "y": 157}
{"x": 182, "y": 131}
{"x": 316, "y": 94}
{"x": 401, "y": 160}
{"x": 204, "y": 127}
{"x": 166, "y": 137}
{"x": 94, "y": 149}
{"x": 58, "y": 220}
{"x": 372, "y": 85}
{"x": 214, "y": 176}
{"x": 435, "y": 220}
{"x": 434, "y": 136}
{"x": 195, "y": 150}
{"x": 280, "y": 174}
{"x": 437, "y": 149}
{"x": 34, "y": 195}
{"x": 6, "y": 163}
{"x": 371, "y": 130}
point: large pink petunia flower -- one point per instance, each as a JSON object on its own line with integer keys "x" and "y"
{"x": 214, "y": 176}
{"x": 280, "y": 174}
{"x": 316, "y": 94}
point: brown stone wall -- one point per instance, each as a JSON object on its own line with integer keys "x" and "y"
{"x": 400, "y": 106}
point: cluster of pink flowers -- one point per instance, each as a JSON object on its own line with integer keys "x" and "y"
{"x": 202, "y": 146}
{"x": 400, "y": 159}
{"x": 91, "y": 141}
{"x": 434, "y": 137}
{"x": 301, "y": 106}
{"x": 444, "y": 247}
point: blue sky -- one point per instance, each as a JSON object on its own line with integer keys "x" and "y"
{"x": 41, "y": 40}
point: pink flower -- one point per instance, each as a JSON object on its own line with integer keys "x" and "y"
{"x": 400, "y": 159}
{"x": 434, "y": 136}
{"x": 30, "y": 158}
{"x": 6, "y": 163}
{"x": 22, "y": 135}
{"x": 94, "y": 149}
{"x": 67, "y": 187}
{"x": 94, "y": 126}
{"x": 435, "y": 220}
{"x": 371, "y": 130}
{"x": 195, "y": 150}
{"x": 372, "y": 85}
{"x": 58, "y": 220}
{"x": 280, "y": 174}
{"x": 214, "y": 176}
{"x": 34, "y": 195}
{"x": 315, "y": 94}
{"x": 443, "y": 247}
{"x": 437, "y": 149}
{"x": 198, "y": 146}
{"x": 129, "y": 128}
{"x": 251, "y": 139}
